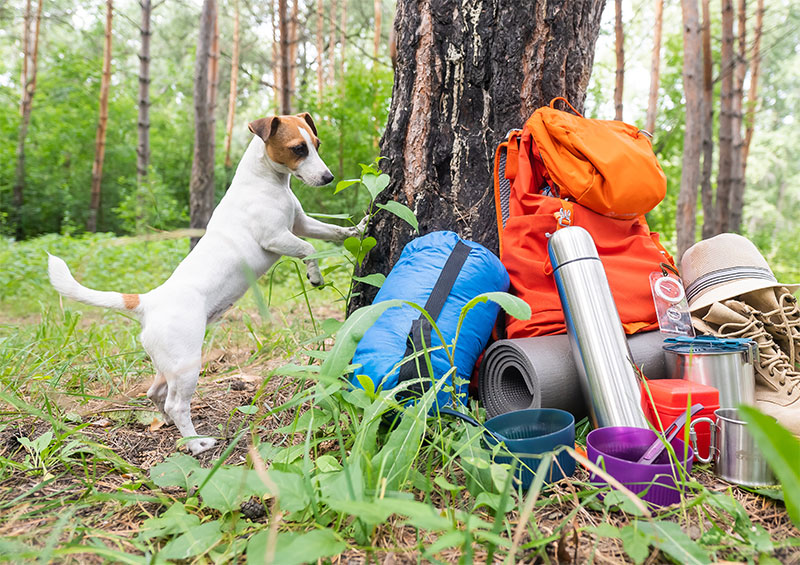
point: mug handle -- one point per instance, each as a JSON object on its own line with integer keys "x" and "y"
{"x": 712, "y": 442}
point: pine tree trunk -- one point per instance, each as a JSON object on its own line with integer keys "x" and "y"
{"x": 737, "y": 170}
{"x": 464, "y": 78}
{"x": 692, "y": 139}
{"x": 29, "y": 68}
{"x": 102, "y": 124}
{"x": 332, "y": 45}
{"x": 655, "y": 69}
{"x": 201, "y": 186}
{"x": 706, "y": 193}
{"x": 232, "y": 94}
{"x": 342, "y": 38}
{"x": 726, "y": 66}
{"x": 620, "y": 50}
{"x": 752, "y": 95}
{"x": 143, "y": 147}
{"x": 285, "y": 92}
{"x": 378, "y": 8}
{"x": 213, "y": 68}
{"x": 26, "y": 53}
{"x": 320, "y": 51}
{"x": 293, "y": 41}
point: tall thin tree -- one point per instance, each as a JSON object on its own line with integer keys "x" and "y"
{"x": 320, "y": 50}
{"x": 755, "y": 73}
{"x": 620, "y": 51}
{"x": 102, "y": 124}
{"x": 293, "y": 44}
{"x": 342, "y": 38}
{"x": 30, "y": 57}
{"x": 234, "y": 79}
{"x": 201, "y": 185}
{"x": 737, "y": 166}
{"x": 692, "y": 86}
{"x": 726, "y": 65}
{"x": 332, "y": 44}
{"x": 706, "y": 192}
{"x": 143, "y": 126}
{"x": 378, "y": 9}
{"x": 213, "y": 67}
{"x": 655, "y": 69}
{"x": 285, "y": 90}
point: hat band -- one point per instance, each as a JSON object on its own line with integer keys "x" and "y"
{"x": 727, "y": 275}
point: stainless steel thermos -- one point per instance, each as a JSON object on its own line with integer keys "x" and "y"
{"x": 605, "y": 365}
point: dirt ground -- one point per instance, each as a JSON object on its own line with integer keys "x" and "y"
{"x": 143, "y": 441}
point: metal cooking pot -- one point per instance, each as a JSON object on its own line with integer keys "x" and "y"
{"x": 726, "y": 364}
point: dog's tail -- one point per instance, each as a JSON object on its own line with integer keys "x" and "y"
{"x": 65, "y": 284}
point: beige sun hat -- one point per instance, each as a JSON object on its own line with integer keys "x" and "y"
{"x": 725, "y": 266}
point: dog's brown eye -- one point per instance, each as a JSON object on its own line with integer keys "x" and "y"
{"x": 300, "y": 150}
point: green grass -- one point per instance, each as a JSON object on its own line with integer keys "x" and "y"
{"x": 84, "y": 478}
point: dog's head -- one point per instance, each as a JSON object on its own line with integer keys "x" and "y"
{"x": 291, "y": 143}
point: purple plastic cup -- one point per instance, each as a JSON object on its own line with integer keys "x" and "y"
{"x": 616, "y": 449}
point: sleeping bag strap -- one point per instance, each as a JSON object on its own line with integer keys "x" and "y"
{"x": 419, "y": 338}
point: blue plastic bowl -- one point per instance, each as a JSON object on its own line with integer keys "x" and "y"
{"x": 531, "y": 433}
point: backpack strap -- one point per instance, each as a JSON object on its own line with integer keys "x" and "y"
{"x": 419, "y": 338}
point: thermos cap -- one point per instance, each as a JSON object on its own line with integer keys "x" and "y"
{"x": 571, "y": 244}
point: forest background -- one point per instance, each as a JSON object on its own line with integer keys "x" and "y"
{"x": 345, "y": 48}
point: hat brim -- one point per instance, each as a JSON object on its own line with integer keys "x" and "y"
{"x": 728, "y": 290}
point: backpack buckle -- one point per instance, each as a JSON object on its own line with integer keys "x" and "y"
{"x": 563, "y": 218}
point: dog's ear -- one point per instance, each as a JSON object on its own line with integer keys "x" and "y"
{"x": 307, "y": 117}
{"x": 264, "y": 127}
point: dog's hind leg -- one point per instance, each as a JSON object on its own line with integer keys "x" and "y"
{"x": 175, "y": 346}
{"x": 157, "y": 393}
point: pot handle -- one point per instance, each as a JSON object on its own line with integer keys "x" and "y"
{"x": 712, "y": 443}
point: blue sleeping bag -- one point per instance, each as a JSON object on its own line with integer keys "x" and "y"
{"x": 412, "y": 279}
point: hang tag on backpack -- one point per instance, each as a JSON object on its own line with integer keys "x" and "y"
{"x": 672, "y": 309}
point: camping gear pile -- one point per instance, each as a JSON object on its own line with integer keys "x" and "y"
{"x": 571, "y": 194}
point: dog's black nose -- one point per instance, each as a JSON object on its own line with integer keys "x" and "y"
{"x": 326, "y": 178}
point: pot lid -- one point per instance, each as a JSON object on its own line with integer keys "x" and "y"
{"x": 706, "y": 344}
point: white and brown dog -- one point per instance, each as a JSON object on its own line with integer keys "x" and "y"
{"x": 257, "y": 221}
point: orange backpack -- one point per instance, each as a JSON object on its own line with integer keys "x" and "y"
{"x": 527, "y": 181}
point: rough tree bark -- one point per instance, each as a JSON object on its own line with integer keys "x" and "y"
{"x": 706, "y": 192}
{"x": 692, "y": 139}
{"x": 285, "y": 92}
{"x": 737, "y": 168}
{"x": 655, "y": 69}
{"x": 201, "y": 185}
{"x": 465, "y": 76}
{"x": 143, "y": 145}
{"x": 723, "y": 199}
{"x": 752, "y": 94}
{"x": 620, "y": 51}
{"x": 28, "y": 82}
{"x": 232, "y": 93}
{"x": 100, "y": 141}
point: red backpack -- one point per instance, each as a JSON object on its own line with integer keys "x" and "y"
{"x": 537, "y": 195}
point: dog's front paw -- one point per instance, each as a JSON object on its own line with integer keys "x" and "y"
{"x": 199, "y": 445}
{"x": 362, "y": 226}
{"x": 315, "y": 281}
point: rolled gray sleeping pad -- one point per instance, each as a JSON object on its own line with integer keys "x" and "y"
{"x": 540, "y": 372}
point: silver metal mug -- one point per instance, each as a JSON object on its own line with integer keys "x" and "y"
{"x": 599, "y": 345}
{"x": 737, "y": 458}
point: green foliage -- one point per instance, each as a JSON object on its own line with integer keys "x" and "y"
{"x": 782, "y": 451}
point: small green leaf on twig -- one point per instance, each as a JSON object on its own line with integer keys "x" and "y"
{"x": 375, "y": 279}
{"x": 401, "y": 211}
